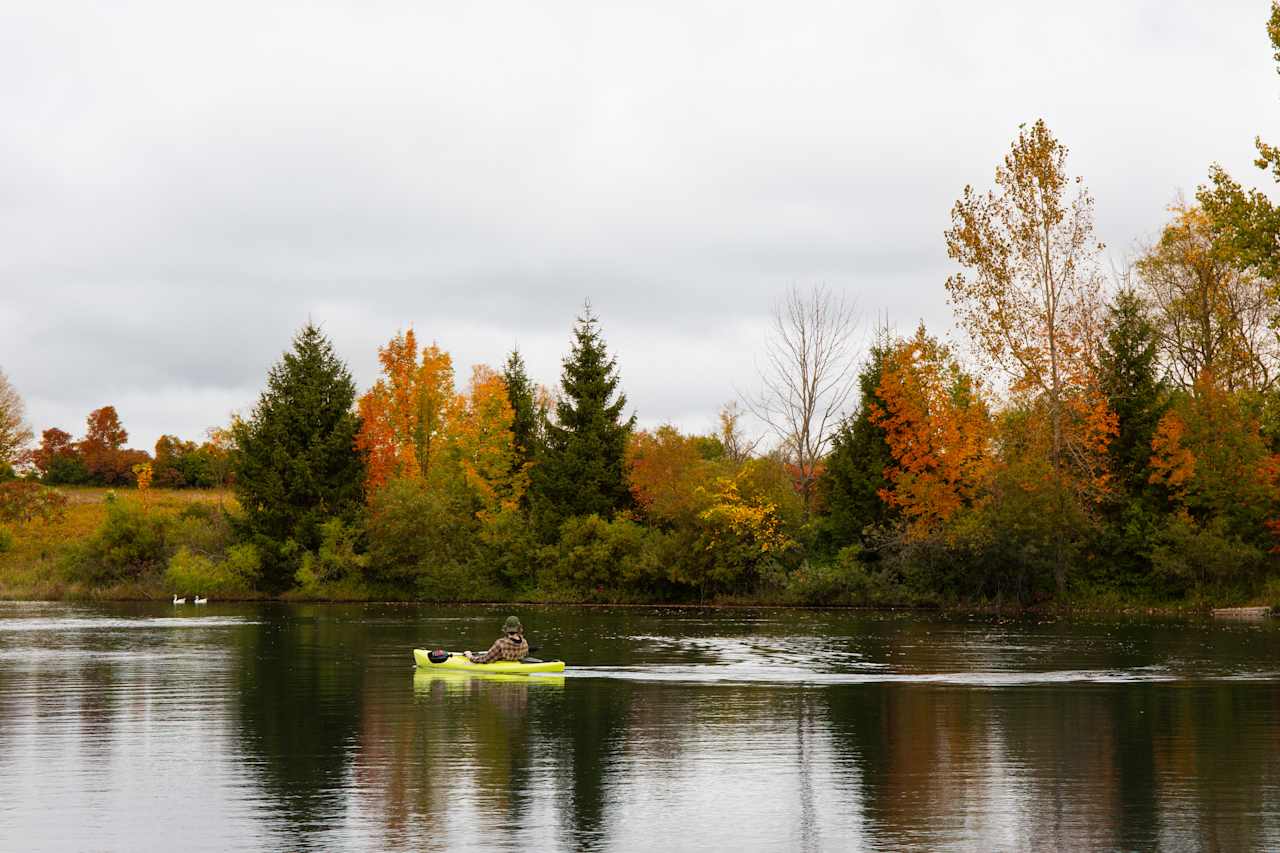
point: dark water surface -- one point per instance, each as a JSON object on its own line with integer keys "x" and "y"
{"x": 248, "y": 727}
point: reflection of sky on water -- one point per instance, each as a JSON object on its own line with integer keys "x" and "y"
{"x": 270, "y": 727}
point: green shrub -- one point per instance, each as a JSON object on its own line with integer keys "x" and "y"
{"x": 245, "y": 563}
{"x": 423, "y": 541}
{"x": 6, "y": 472}
{"x": 599, "y": 557}
{"x": 845, "y": 580}
{"x": 1192, "y": 557}
{"x": 130, "y": 544}
{"x": 198, "y": 573}
{"x": 203, "y": 528}
{"x": 6, "y": 539}
{"x": 337, "y": 568}
{"x": 189, "y": 572}
{"x": 66, "y": 469}
{"x": 508, "y": 548}
{"x": 339, "y": 556}
{"x": 1271, "y": 592}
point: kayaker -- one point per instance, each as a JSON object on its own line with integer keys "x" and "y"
{"x": 510, "y": 646}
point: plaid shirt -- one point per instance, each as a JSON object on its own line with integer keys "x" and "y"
{"x": 509, "y": 647}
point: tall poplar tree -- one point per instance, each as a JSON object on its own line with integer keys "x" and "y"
{"x": 1030, "y": 298}
{"x": 581, "y": 470}
{"x": 297, "y": 465}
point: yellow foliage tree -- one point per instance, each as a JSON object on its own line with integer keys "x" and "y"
{"x": 485, "y": 444}
{"x": 1211, "y": 313}
{"x": 740, "y": 534}
{"x": 142, "y": 472}
{"x": 1031, "y": 299}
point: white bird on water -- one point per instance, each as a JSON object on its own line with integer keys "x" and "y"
{"x": 177, "y": 600}
{"x": 200, "y": 600}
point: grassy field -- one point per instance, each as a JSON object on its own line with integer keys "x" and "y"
{"x": 31, "y": 568}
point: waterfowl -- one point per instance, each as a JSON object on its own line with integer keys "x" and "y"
{"x": 200, "y": 600}
{"x": 177, "y": 600}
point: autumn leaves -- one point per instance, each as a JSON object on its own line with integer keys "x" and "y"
{"x": 1030, "y": 298}
{"x": 415, "y": 426}
{"x": 1134, "y": 434}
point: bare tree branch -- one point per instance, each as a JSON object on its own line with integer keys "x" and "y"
{"x": 810, "y": 362}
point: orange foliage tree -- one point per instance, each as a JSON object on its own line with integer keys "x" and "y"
{"x": 666, "y": 469}
{"x": 937, "y": 426}
{"x": 415, "y": 426}
{"x": 1173, "y": 465}
{"x": 1223, "y": 485}
{"x": 103, "y": 438}
{"x": 1210, "y": 455}
{"x": 406, "y": 414}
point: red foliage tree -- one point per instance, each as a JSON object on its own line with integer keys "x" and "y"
{"x": 55, "y": 445}
{"x": 102, "y": 448}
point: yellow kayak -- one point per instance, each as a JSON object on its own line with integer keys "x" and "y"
{"x": 459, "y": 663}
{"x": 452, "y": 680}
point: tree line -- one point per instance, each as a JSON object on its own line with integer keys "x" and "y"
{"x": 100, "y": 457}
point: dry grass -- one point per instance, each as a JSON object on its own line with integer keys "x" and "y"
{"x": 30, "y": 570}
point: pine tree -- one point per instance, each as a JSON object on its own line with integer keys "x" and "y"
{"x": 1127, "y": 376}
{"x": 1127, "y": 365}
{"x": 854, "y": 471}
{"x": 520, "y": 393}
{"x": 581, "y": 470}
{"x": 297, "y": 465}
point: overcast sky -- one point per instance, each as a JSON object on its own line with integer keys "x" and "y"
{"x": 183, "y": 185}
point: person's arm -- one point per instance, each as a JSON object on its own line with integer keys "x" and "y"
{"x": 494, "y": 653}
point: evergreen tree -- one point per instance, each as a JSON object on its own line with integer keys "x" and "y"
{"x": 297, "y": 466}
{"x": 581, "y": 470}
{"x": 526, "y": 422}
{"x": 1127, "y": 376}
{"x": 853, "y": 475}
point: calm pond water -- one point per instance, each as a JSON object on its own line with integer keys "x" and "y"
{"x": 250, "y": 727}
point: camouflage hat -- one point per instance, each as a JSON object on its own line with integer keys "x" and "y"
{"x": 512, "y": 626}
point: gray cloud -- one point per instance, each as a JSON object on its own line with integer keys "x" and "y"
{"x": 181, "y": 187}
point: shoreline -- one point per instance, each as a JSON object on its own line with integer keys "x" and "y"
{"x": 33, "y": 569}
{"x": 1052, "y": 611}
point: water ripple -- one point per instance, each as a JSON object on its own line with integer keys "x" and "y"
{"x": 765, "y": 675}
{"x": 81, "y": 624}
